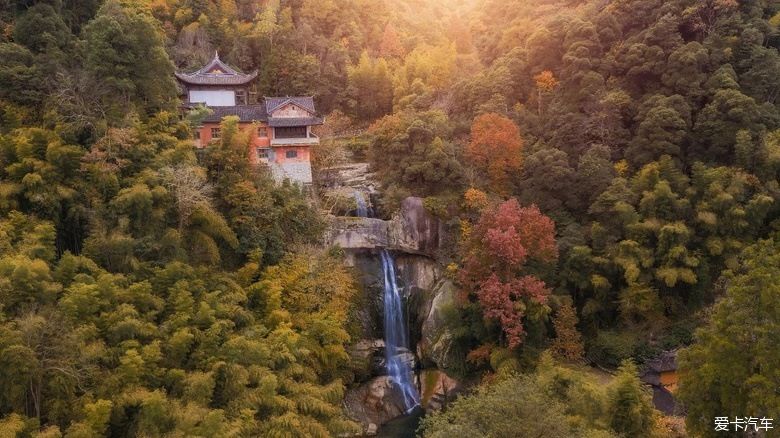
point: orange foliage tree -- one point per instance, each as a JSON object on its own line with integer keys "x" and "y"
{"x": 545, "y": 83}
{"x": 390, "y": 46}
{"x": 495, "y": 149}
{"x": 504, "y": 239}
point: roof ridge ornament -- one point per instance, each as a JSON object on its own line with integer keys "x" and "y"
{"x": 216, "y": 72}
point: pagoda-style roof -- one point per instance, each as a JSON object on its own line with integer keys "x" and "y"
{"x": 216, "y": 72}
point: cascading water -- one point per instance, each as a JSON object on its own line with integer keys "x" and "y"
{"x": 362, "y": 207}
{"x": 396, "y": 341}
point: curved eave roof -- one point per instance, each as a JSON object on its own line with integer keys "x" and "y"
{"x": 216, "y": 72}
{"x": 216, "y": 79}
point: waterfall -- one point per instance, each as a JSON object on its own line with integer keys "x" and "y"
{"x": 396, "y": 341}
{"x": 362, "y": 208}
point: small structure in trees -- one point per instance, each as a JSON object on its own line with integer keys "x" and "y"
{"x": 661, "y": 373}
{"x": 280, "y": 127}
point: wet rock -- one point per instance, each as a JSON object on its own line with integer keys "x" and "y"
{"x": 375, "y": 402}
{"x": 368, "y": 358}
{"x": 408, "y": 357}
{"x": 437, "y": 389}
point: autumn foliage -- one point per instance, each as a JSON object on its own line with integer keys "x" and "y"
{"x": 568, "y": 341}
{"x": 495, "y": 149}
{"x": 545, "y": 81}
{"x": 504, "y": 239}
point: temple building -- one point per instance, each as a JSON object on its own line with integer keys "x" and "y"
{"x": 280, "y": 127}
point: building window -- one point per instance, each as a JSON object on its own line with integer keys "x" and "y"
{"x": 215, "y": 132}
{"x": 263, "y": 153}
{"x": 262, "y": 131}
{"x": 241, "y": 97}
{"x": 290, "y": 132}
{"x": 197, "y": 133}
{"x": 291, "y": 154}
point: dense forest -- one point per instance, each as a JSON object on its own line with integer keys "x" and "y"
{"x": 606, "y": 173}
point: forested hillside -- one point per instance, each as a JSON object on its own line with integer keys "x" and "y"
{"x": 606, "y": 173}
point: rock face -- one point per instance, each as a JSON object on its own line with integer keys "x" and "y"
{"x": 358, "y": 233}
{"x": 435, "y": 345}
{"x": 356, "y": 175}
{"x": 374, "y": 403}
{"x": 437, "y": 389}
{"x": 413, "y": 230}
{"x": 368, "y": 358}
{"x": 416, "y": 273}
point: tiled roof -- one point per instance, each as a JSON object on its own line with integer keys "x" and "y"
{"x": 216, "y": 72}
{"x": 245, "y": 113}
{"x": 294, "y": 121}
{"x": 305, "y": 102}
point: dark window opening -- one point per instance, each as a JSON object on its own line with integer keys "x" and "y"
{"x": 292, "y": 154}
{"x": 241, "y": 97}
{"x": 262, "y": 131}
{"x": 215, "y": 132}
{"x": 290, "y": 132}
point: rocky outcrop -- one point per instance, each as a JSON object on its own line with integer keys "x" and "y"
{"x": 367, "y": 358}
{"x": 378, "y": 401}
{"x": 437, "y": 389}
{"x": 356, "y": 175}
{"x": 358, "y": 233}
{"x": 413, "y": 230}
{"x": 374, "y": 403}
{"x": 435, "y": 345}
{"x": 416, "y": 274}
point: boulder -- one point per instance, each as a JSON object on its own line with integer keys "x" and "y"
{"x": 374, "y": 402}
{"x": 416, "y": 272}
{"x": 414, "y": 229}
{"x": 435, "y": 345}
{"x": 437, "y": 389}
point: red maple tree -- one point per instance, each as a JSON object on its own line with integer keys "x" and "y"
{"x": 501, "y": 243}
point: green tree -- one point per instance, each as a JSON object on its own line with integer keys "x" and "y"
{"x": 126, "y": 52}
{"x": 370, "y": 88}
{"x": 630, "y": 407}
{"x": 516, "y": 407}
{"x": 412, "y": 155}
{"x": 732, "y": 358}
